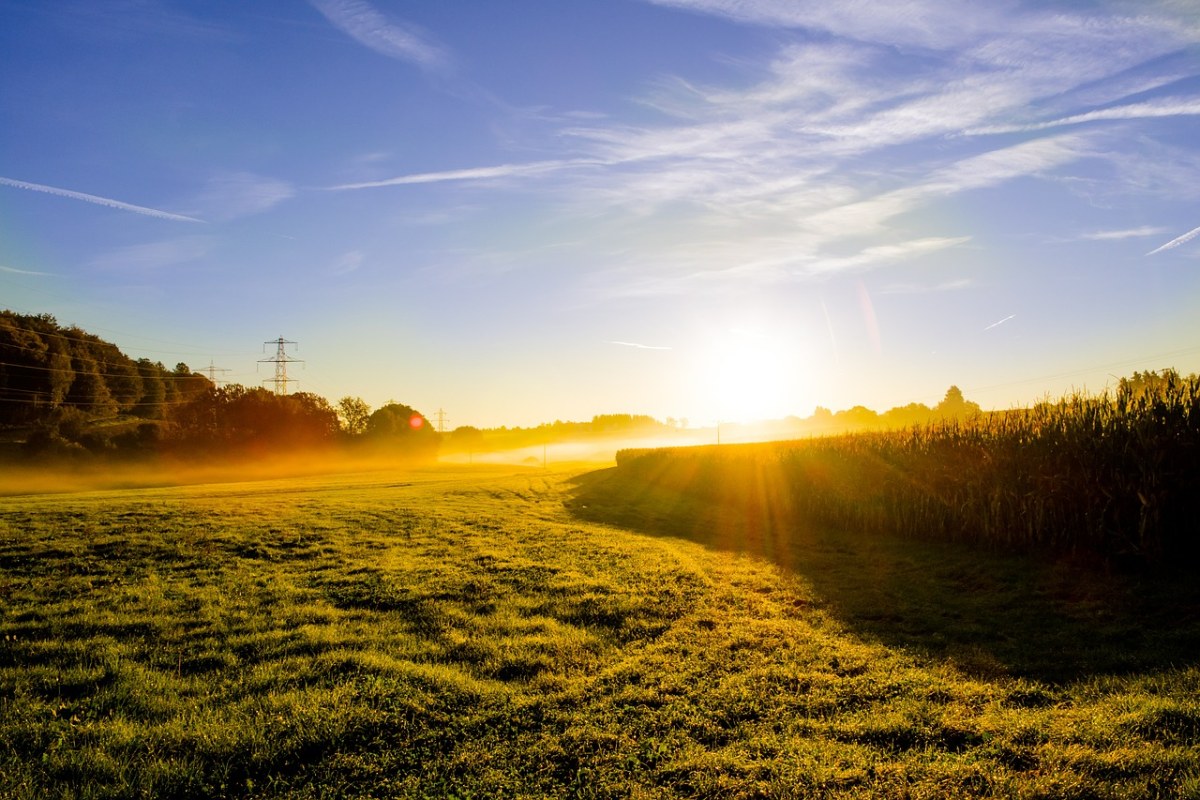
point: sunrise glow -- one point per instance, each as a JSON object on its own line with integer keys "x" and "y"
{"x": 767, "y": 206}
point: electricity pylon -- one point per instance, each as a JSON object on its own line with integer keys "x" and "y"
{"x": 212, "y": 371}
{"x": 281, "y": 360}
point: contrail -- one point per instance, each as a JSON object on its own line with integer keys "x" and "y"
{"x": 1171, "y": 107}
{"x": 16, "y": 271}
{"x": 470, "y": 174}
{"x": 999, "y": 322}
{"x": 100, "y": 201}
{"x": 640, "y": 346}
{"x": 1187, "y": 237}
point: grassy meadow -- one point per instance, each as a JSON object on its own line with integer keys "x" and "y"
{"x": 496, "y": 632}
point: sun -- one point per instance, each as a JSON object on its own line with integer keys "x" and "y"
{"x": 748, "y": 374}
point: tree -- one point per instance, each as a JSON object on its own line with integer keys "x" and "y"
{"x": 152, "y": 403}
{"x": 857, "y": 418}
{"x": 907, "y": 416}
{"x": 466, "y": 439}
{"x": 400, "y": 429}
{"x": 821, "y": 419}
{"x": 312, "y": 421}
{"x": 353, "y": 412}
{"x": 1149, "y": 383}
{"x": 955, "y": 406}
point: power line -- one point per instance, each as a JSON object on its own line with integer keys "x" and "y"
{"x": 71, "y": 369}
{"x": 14, "y": 314}
{"x": 281, "y": 360}
{"x": 82, "y": 335}
{"x": 212, "y": 371}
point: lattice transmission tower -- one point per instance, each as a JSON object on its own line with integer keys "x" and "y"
{"x": 211, "y": 371}
{"x": 281, "y": 360}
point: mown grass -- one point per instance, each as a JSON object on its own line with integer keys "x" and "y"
{"x": 484, "y": 634}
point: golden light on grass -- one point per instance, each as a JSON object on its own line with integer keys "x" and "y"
{"x": 455, "y": 631}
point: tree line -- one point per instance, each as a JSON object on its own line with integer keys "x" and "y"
{"x": 48, "y": 371}
{"x": 66, "y": 393}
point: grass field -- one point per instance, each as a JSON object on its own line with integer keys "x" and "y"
{"x": 487, "y": 632}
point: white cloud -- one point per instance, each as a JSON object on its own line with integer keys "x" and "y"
{"x": 976, "y": 172}
{"x": 913, "y": 288}
{"x": 887, "y": 254}
{"x": 231, "y": 195}
{"x": 348, "y": 262}
{"x": 1125, "y": 233}
{"x": 16, "y": 271}
{"x": 155, "y": 255}
{"x": 369, "y": 27}
{"x": 98, "y": 200}
{"x": 469, "y": 174}
{"x": 850, "y": 140}
{"x": 916, "y": 22}
{"x": 1171, "y": 107}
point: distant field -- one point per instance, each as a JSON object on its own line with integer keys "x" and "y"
{"x": 494, "y": 632}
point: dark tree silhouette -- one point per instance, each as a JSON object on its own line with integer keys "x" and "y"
{"x": 398, "y": 429}
{"x": 955, "y": 406}
{"x": 353, "y": 413}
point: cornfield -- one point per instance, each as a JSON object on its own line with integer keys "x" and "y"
{"x": 1116, "y": 475}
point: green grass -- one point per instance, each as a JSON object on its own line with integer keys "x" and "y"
{"x": 480, "y": 633}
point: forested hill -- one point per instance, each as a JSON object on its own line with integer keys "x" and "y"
{"x": 66, "y": 394}
{"x": 47, "y": 369}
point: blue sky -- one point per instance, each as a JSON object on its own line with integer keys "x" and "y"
{"x": 538, "y": 210}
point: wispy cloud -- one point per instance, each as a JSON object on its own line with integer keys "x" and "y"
{"x": 16, "y": 271}
{"x": 914, "y": 288}
{"x": 231, "y": 195}
{"x": 906, "y": 21}
{"x": 888, "y": 253}
{"x": 638, "y": 346}
{"x": 369, "y": 27}
{"x": 1172, "y": 107}
{"x": 155, "y": 255}
{"x": 1187, "y": 237}
{"x": 1125, "y": 233}
{"x": 843, "y": 147}
{"x": 470, "y": 174}
{"x": 101, "y": 201}
{"x": 348, "y": 262}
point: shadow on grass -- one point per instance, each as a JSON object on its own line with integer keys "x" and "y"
{"x": 989, "y": 613}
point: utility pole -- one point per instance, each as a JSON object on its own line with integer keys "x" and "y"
{"x": 212, "y": 371}
{"x": 441, "y": 421}
{"x": 281, "y": 360}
